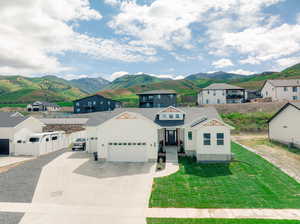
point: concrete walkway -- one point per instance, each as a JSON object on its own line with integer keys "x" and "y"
{"x": 293, "y": 214}
{"x": 10, "y": 160}
{"x": 284, "y": 160}
{"x": 172, "y": 165}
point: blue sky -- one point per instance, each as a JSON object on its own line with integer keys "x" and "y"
{"x": 165, "y": 38}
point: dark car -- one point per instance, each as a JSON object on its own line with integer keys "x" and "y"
{"x": 79, "y": 144}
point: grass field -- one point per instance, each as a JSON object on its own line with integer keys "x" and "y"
{"x": 218, "y": 221}
{"x": 248, "y": 122}
{"x": 23, "y": 105}
{"x": 251, "y": 183}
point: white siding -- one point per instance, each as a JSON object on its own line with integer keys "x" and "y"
{"x": 285, "y": 126}
{"x": 279, "y": 93}
{"x": 212, "y": 97}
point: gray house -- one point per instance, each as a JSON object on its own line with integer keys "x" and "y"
{"x": 157, "y": 98}
{"x": 95, "y": 103}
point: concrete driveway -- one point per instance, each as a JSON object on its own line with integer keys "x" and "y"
{"x": 75, "y": 189}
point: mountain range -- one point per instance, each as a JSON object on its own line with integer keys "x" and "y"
{"x": 18, "y": 89}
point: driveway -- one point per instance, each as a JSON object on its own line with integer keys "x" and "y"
{"x": 75, "y": 189}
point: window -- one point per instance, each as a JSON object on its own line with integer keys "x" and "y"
{"x": 134, "y": 143}
{"x": 34, "y": 139}
{"x": 214, "y": 92}
{"x": 190, "y": 135}
{"x": 171, "y": 116}
{"x": 295, "y": 89}
{"x": 54, "y": 138}
{"x": 171, "y": 96}
{"x": 206, "y": 139}
{"x": 158, "y": 96}
{"x": 47, "y": 139}
{"x": 101, "y": 102}
{"x": 218, "y": 101}
{"x": 144, "y": 143}
{"x": 108, "y": 102}
{"x": 139, "y": 143}
{"x": 124, "y": 143}
{"x": 89, "y": 103}
{"x": 115, "y": 143}
{"x": 207, "y": 101}
{"x": 94, "y": 102}
{"x": 110, "y": 143}
{"x": 164, "y": 116}
{"x": 120, "y": 143}
{"x": 223, "y": 93}
{"x": 208, "y": 92}
{"x": 77, "y": 104}
{"x": 19, "y": 141}
{"x": 220, "y": 138}
{"x": 295, "y": 98}
{"x": 285, "y": 89}
{"x": 78, "y": 109}
{"x": 177, "y": 115}
{"x": 129, "y": 143}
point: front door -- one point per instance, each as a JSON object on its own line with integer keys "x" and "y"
{"x": 171, "y": 137}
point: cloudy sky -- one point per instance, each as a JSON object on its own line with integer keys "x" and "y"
{"x": 168, "y": 38}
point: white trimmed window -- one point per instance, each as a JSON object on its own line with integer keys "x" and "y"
{"x": 220, "y": 138}
{"x": 206, "y": 139}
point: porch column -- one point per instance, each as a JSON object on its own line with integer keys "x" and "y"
{"x": 177, "y": 137}
{"x": 164, "y": 137}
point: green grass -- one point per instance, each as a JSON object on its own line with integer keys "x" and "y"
{"x": 251, "y": 183}
{"x": 249, "y": 122}
{"x": 65, "y": 104}
{"x": 218, "y": 221}
{"x": 13, "y": 105}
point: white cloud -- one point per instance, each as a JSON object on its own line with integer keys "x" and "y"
{"x": 287, "y": 62}
{"x": 184, "y": 58}
{"x": 222, "y": 63}
{"x": 168, "y": 76}
{"x": 250, "y": 60}
{"x": 116, "y": 75}
{"x": 112, "y": 2}
{"x": 242, "y": 72}
{"x": 298, "y": 18}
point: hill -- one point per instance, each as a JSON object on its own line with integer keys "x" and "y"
{"x": 18, "y": 89}
{"x": 90, "y": 85}
{"x": 215, "y": 75}
{"x": 133, "y": 80}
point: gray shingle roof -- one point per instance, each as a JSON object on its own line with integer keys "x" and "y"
{"x": 222, "y": 86}
{"x": 284, "y": 82}
{"x": 78, "y": 121}
{"x": 162, "y": 91}
{"x": 191, "y": 114}
{"x": 8, "y": 120}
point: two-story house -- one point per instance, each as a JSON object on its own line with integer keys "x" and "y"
{"x": 157, "y": 98}
{"x": 95, "y": 103}
{"x": 221, "y": 93}
{"x": 280, "y": 89}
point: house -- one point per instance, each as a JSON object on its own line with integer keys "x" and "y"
{"x": 284, "y": 125}
{"x": 280, "y": 89}
{"x": 95, "y": 103}
{"x": 221, "y": 93}
{"x": 138, "y": 134}
{"x": 14, "y": 128}
{"x": 157, "y": 98}
{"x": 42, "y": 106}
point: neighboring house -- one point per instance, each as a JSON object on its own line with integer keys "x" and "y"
{"x": 138, "y": 134}
{"x": 278, "y": 89}
{"x": 221, "y": 93}
{"x": 14, "y": 128}
{"x": 157, "y": 98}
{"x": 43, "y": 106}
{"x": 95, "y": 103}
{"x": 284, "y": 125}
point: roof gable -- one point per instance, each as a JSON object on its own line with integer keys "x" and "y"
{"x": 295, "y": 105}
{"x": 171, "y": 109}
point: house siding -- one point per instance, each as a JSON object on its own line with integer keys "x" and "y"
{"x": 279, "y": 93}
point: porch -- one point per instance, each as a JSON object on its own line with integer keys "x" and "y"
{"x": 171, "y": 137}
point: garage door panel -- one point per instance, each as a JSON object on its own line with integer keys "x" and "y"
{"x": 127, "y": 154}
{"x": 4, "y": 146}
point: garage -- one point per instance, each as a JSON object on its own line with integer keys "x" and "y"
{"x": 4, "y": 146}
{"x": 127, "y": 152}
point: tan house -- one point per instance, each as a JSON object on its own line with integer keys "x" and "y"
{"x": 284, "y": 125}
{"x": 281, "y": 89}
{"x": 138, "y": 134}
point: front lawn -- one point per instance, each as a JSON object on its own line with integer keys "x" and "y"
{"x": 251, "y": 183}
{"x": 218, "y": 221}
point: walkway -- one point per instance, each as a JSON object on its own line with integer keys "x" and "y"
{"x": 171, "y": 162}
{"x": 11, "y": 160}
{"x": 224, "y": 213}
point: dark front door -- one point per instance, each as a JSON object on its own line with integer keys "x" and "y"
{"x": 171, "y": 137}
{"x": 4, "y": 147}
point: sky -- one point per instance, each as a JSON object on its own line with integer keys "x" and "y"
{"x": 165, "y": 38}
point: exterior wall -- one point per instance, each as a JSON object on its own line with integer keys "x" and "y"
{"x": 166, "y": 116}
{"x": 128, "y": 131}
{"x": 157, "y": 100}
{"x": 212, "y": 97}
{"x": 207, "y": 153}
{"x": 285, "y": 126}
{"x": 91, "y": 132}
{"x": 279, "y": 93}
{"x": 93, "y": 104}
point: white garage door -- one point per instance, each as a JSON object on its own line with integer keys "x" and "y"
{"x": 127, "y": 152}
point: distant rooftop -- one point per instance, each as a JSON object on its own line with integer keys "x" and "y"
{"x": 222, "y": 86}
{"x": 10, "y": 119}
{"x": 45, "y": 103}
{"x": 162, "y": 91}
{"x": 284, "y": 82}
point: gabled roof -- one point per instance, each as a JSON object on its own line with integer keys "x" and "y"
{"x": 191, "y": 114}
{"x": 171, "y": 109}
{"x": 97, "y": 95}
{"x": 221, "y": 86}
{"x": 293, "y": 104}
{"x": 8, "y": 119}
{"x": 155, "y": 92}
{"x": 284, "y": 82}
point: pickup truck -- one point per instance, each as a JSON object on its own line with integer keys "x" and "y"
{"x": 79, "y": 144}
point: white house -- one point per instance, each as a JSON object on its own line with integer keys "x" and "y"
{"x": 137, "y": 134}
{"x": 42, "y": 106}
{"x": 281, "y": 89}
{"x": 284, "y": 125}
{"x": 221, "y": 93}
{"x": 13, "y": 127}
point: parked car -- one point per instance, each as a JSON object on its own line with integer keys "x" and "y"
{"x": 79, "y": 144}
